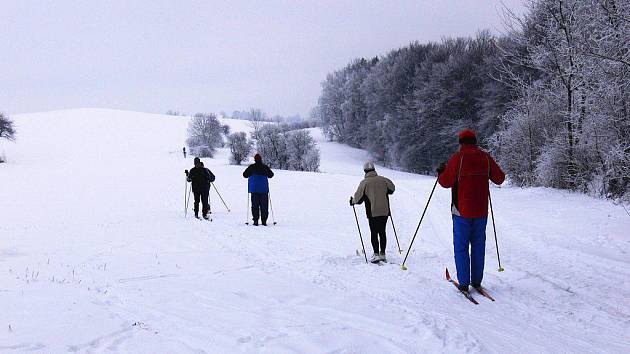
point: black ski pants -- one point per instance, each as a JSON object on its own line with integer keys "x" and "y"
{"x": 203, "y": 196}
{"x": 377, "y": 229}
{"x": 260, "y": 207}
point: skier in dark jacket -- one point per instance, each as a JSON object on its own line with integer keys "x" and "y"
{"x": 201, "y": 179}
{"x": 467, "y": 174}
{"x": 257, "y": 175}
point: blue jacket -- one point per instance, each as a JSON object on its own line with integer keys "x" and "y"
{"x": 258, "y": 175}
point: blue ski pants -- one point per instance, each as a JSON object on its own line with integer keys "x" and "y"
{"x": 469, "y": 233}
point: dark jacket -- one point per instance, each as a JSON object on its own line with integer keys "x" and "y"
{"x": 201, "y": 178}
{"x": 467, "y": 173}
{"x": 257, "y": 175}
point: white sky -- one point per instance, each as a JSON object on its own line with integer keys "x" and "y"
{"x": 155, "y": 55}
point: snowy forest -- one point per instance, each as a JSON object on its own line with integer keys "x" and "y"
{"x": 549, "y": 98}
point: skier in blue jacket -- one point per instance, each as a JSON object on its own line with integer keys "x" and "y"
{"x": 258, "y": 175}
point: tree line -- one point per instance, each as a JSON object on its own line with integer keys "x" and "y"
{"x": 550, "y": 98}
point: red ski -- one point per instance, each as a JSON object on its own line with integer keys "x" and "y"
{"x": 465, "y": 293}
{"x": 483, "y": 292}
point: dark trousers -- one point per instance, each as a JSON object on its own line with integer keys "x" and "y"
{"x": 260, "y": 207}
{"x": 203, "y": 196}
{"x": 377, "y": 229}
{"x": 469, "y": 233}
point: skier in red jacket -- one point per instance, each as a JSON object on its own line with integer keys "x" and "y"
{"x": 467, "y": 174}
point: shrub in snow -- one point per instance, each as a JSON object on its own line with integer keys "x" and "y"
{"x": 7, "y": 131}
{"x": 256, "y": 120}
{"x": 240, "y": 147}
{"x": 272, "y": 145}
{"x": 225, "y": 130}
{"x": 302, "y": 150}
{"x": 204, "y": 135}
{"x": 294, "y": 150}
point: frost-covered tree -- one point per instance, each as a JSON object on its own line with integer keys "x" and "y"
{"x": 577, "y": 105}
{"x": 342, "y": 103}
{"x": 204, "y": 135}
{"x": 257, "y": 118}
{"x": 271, "y": 143}
{"x": 288, "y": 150}
{"x": 302, "y": 150}
{"x": 240, "y": 147}
{"x": 225, "y": 130}
{"x": 7, "y": 130}
{"x": 522, "y": 135}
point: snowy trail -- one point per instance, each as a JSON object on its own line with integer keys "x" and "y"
{"x": 97, "y": 256}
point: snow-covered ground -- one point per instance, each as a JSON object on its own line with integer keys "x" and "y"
{"x": 96, "y": 256}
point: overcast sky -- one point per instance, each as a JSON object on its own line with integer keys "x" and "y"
{"x": 211, "y": 56}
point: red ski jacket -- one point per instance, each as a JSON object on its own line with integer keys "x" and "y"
{"x": 467, "y": 173}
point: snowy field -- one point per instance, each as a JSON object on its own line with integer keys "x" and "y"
{"x": 96, "y": 256}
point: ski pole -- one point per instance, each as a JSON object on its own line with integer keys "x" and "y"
{"x": 496, "y": 241}
{"x": 186, "y": 192}
{"x": 219, "y": 194}
{"x": 247, "y": 211}
{"x": 188, "y": 201}
{"x": 403, "y": 267}
{"x": 359, "y": 228}
{"x": 185, "y": 200}
{"x": 395, "y": 234}
{"x": 271, "y": 205}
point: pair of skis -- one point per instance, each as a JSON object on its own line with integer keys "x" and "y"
{"x": 380, "y": 262}
{"x": 467, "y": 294}
{"x": 208, "y": 218}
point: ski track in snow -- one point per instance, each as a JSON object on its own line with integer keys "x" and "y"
{"x": 96, "y": 256}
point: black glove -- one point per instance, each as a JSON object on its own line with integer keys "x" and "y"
{"x": 351, "y": 203}
{"x": 186, "y": 171}
{"x": 441, "y": 168}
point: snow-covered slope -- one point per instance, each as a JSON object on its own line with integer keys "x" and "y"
{"x": 96, "y": 256}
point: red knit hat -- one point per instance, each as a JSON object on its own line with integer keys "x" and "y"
{"x": 467, "y": 136}
{"x": 257, "y": 157}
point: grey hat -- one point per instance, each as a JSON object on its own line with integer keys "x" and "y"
{"x": 368, "y": 166}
